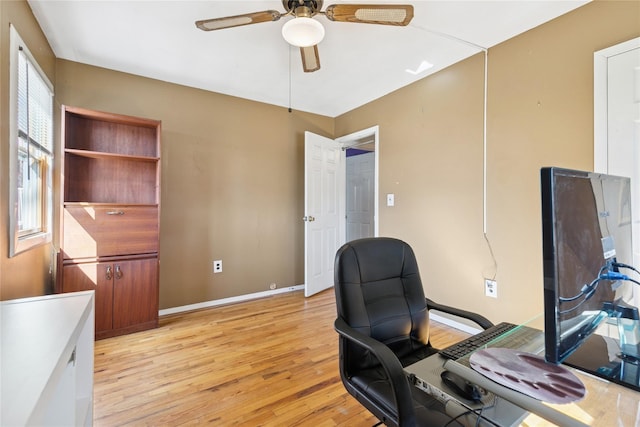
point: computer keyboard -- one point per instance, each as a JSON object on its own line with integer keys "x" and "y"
{"x": 469, "y": 345}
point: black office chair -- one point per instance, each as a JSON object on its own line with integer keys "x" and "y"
{"x": 383, "y": 325}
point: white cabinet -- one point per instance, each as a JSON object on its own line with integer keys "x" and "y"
{"x": 46, "y": 364}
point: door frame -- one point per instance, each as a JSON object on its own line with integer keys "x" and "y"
{"x": 600, "y": 116}
{"x": 348, "y": 141}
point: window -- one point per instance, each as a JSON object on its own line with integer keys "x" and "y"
{"x": 30, "y": 150}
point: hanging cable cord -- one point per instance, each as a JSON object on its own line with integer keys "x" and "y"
{"x": 289, "y": 47}
{"x": 605, "y": 273}
{"x": 627, "y": 266}
{"x": 477, "y": 412}
{"x": 485, "y": 50}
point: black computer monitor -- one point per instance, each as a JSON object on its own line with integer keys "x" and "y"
{"x": 586, "y": 237}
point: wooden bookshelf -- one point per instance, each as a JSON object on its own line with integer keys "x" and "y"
{"x": 110, "y": 216}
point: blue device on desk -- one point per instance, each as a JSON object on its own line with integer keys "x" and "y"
{"x": 588, "y": 274}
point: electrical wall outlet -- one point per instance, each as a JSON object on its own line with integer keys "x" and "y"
{"x": 491, "y": 288}
{"x": 273, "y": 286}
{"x": 391, "y": 199}
{"x": 217, "y": 266}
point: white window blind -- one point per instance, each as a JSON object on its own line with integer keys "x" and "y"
{"x": 35, "y": 105}
{"x": 31, "y": 150}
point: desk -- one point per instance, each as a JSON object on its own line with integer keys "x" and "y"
{"x": 46, "y": 360}
{"x": 605, "y": 404}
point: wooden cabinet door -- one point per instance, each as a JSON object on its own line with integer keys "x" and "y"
{"x": 101, "y": 231}
{"x": 135, "y": 292}
{"x": 93, "y": 277}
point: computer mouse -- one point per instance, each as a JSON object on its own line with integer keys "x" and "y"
{"x": 462, "y": 387}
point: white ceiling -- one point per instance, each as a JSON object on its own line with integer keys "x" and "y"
{"x": 360, "y": 62}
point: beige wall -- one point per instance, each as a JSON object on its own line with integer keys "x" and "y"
{"x": 540, "y": 113}
{"x": 232, "y": 169}
{"x": 232, "y": 185}
{"x": 26, "y": 274}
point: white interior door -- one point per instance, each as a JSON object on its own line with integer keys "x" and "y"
{"x": 617, "y": 122}
{"x": 324, "y": 224}
{"x": 360, "y": 196}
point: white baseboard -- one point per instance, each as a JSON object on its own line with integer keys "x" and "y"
{"x": 454, "y": 324}
{"x": 230, "y": 300}
{"x": 248, "y": 297}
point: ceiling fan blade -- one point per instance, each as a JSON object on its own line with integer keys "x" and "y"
{"x": 385, "y": 14}
{"x": 238, "y": 20}
{"x": 310, "y": 58}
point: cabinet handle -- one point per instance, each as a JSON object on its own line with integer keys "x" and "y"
{"x": 115, "y": 212}
{"x": 109, "y": 273}
{"x": 118, "y": 272}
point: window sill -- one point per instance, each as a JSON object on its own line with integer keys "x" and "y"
{"x": 26, "y": 243}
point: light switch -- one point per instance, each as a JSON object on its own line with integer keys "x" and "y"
{"x": 390, "y": 200}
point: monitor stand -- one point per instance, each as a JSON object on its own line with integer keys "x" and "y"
{"x": 601, "y": 356}
{"x": 616, "y": 360}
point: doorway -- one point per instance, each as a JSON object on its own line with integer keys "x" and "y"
{"x": 617, "y": 123}
{"x": 361, "y": 183}
{"x": 359, "y": 191}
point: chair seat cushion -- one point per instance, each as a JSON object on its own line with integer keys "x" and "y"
{"x": 417, "y": 355}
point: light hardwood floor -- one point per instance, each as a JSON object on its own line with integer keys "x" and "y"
{"x": 266, "y": 362}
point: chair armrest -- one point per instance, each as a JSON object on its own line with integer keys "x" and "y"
{"x": 391, "y": 365}
{"x": 474, "y": 317}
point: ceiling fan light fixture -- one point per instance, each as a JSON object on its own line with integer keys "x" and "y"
{"x": 303, "y": 32}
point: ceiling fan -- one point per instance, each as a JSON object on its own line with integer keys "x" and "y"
{"x": 305, "y": 32}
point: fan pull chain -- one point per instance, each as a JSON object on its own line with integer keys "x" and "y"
{"x": 289, "y": 47}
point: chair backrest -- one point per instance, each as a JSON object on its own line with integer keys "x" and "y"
{"x": 379, "y": 292}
